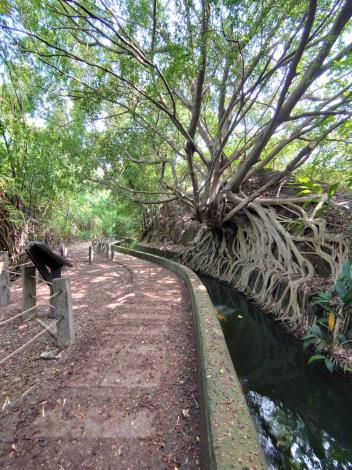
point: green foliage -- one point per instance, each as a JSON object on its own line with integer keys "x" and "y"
{"x": 307, "y": 186}
{"x": 335, "y": 305}
{"x": 339, "y": 294}
{"x": 92, "y": 215}
{"x": 48, "y": 167}
{"x": 319, "y": 192}
{"x": 321, "y": 357}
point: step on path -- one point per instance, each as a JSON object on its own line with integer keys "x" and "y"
{"x": 126, "y": 396}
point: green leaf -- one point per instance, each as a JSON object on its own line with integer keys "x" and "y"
{"x": 315, "y": 330}
{"x": 308, "y": 342}
{"x": 329, "y": 365}
{"x": 340, "y": 289}
{"x": 316, "y": 357}
{"x": 308, "y": 337}
{"x": 332, "y": 190}
{"x": 322, "y": 303}
{"x": 303, "y": 179}
{"x": 304, "y": 192}
{"x": 348, "y": 297}
{"x": 324, "y": 296}
{"x": 321, "y": 211}
{"x": 5, "y": 7}
{"x": 319, "y": 347}
{"x": 346, "y": 270}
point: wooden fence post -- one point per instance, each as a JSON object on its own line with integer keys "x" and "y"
{"x": 51, "y": 306}
{"x": 112, "y": 252}
{"x": 29, "y": 291}
{"x": 4, "y": 279}
{"x": 63, "y": 312}
{"x": 91, "y": 254}
{"x": 107, "y": 250}
{"x": 63, "y": 250}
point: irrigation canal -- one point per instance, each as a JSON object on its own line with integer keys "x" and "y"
{"x": 302, "y": 413}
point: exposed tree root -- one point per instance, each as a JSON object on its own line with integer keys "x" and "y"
{"x": 272, "y": 254}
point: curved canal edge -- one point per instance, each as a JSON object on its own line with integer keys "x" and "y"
{"x": 229, "y": 439}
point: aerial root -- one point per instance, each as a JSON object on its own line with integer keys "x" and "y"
{"x": 263, "y": 259}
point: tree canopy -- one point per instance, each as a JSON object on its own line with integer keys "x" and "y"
{"x": 219, "y": 89}
{"x": 187, "y": 101}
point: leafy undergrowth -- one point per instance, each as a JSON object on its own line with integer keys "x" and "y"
{"x": 324, "y": 335}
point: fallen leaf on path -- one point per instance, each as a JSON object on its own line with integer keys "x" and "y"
{"x": 6, "y": 403}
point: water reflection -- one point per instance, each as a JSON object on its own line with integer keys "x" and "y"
{"x": 303, "y": 415}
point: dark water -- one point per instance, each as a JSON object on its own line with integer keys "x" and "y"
{"x": 302, "y": 413}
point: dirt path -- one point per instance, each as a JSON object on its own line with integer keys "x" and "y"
{"x": 125, "y": 397}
